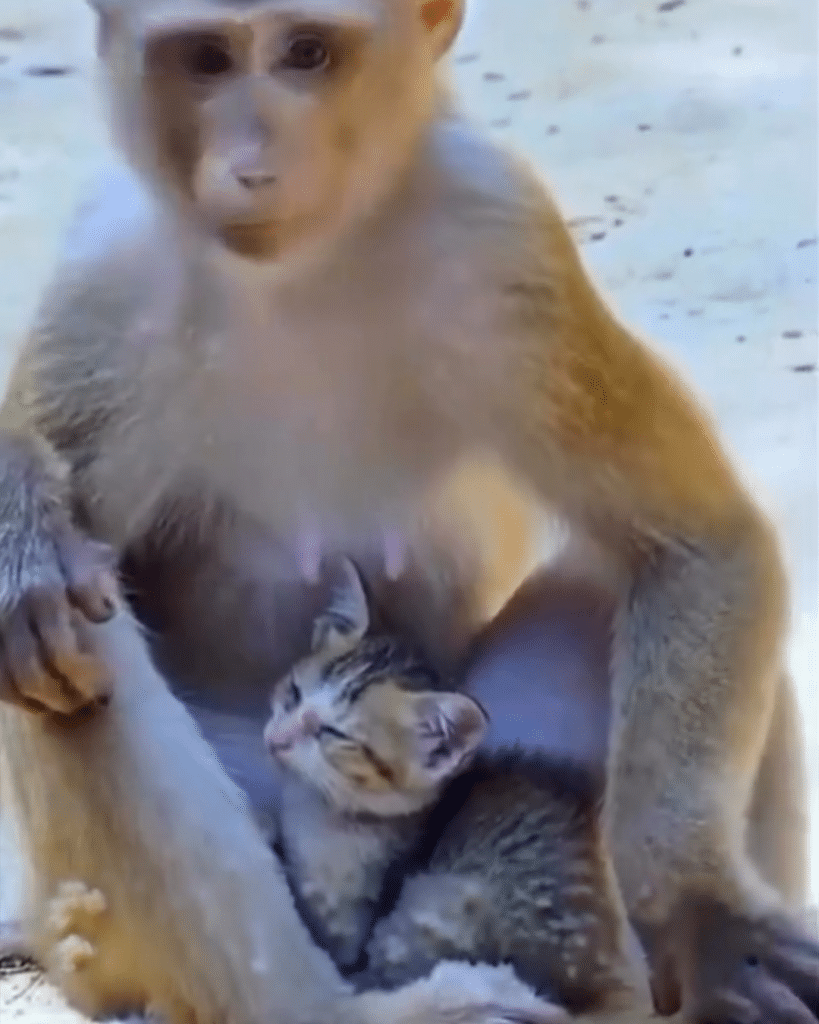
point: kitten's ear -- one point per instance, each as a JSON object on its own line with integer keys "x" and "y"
{"x": 346, "y": 619}
{"x": 443, "y": 20}
{"x": 449, "y": 728}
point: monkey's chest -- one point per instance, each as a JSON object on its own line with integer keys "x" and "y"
{"x": 344, "y": 433}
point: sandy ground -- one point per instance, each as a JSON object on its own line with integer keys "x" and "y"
{"x": 681, "y": 139}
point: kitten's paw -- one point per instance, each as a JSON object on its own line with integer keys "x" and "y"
{"x": 462, "y": 993}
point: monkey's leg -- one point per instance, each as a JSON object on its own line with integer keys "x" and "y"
{"x": 543, "y": 671}
{"x": 778, "y": 828}
{"x": 199, "y": 921}
{"x": 606, "y": 432}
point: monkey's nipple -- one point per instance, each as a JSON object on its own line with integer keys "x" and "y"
{"x": 310, "y": 550}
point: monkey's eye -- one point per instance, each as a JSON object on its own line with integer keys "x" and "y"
{"x": 307, "y": 51}
{"x": 207, "y": 57}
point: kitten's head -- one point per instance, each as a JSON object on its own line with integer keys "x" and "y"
{"x": 359, "y": 718}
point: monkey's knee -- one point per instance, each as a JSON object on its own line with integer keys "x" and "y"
{"x": 778, "y": 827}
{"x": 542, "y": 670}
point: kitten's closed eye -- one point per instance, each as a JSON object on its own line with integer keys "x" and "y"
{"x": 292, "y": 696}
{"x": 329, "y": 730}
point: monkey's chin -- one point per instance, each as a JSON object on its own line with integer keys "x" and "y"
{"x": 262, "y": 242}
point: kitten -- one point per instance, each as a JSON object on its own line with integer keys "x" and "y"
{"x": 389, "y": 814}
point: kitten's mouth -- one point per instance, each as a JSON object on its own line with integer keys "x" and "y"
{"x": 280, "y": 741}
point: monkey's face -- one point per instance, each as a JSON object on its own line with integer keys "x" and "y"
{"x": 274, "y": 123}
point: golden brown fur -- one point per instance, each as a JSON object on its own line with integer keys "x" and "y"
{"x": 413, "y": 302}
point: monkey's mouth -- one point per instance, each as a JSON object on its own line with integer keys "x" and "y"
{"x": 267, "y": 239}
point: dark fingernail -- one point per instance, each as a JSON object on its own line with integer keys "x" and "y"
{"x": 105, "y": 608}
{"x": 752, "y": 961}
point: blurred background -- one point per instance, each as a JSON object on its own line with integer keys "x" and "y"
{"x": 680, "y": 137}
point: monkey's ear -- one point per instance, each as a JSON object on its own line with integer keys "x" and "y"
{"x": 109, "y": 14}
{"x": 346, "y": 619}
{"x": 443, "y": 20}
{"x": 449, "y": 728}
{"x": 106, "y": 8}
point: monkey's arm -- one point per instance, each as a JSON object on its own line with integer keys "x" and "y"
{"x": 606, "y": 432}
{"x": 49, "y": 574}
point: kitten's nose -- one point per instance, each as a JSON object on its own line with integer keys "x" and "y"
{"x": 310, "y": 723}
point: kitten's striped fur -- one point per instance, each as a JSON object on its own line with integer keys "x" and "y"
{"x": 404, "y": 847}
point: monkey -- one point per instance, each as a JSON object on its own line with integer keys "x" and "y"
{"x": 310, "y": 293}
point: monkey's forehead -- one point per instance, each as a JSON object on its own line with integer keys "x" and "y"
{"x": 168, "y": 15}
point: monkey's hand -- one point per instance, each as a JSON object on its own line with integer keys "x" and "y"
{"x": 724, "y": 968}
{"x": 53, "y": 581}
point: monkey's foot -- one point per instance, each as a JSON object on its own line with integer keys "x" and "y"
{"x": 733, "y": 970}
{"x": 71, "y": 954}
{"x": 71, "y": 921}
{"x": 74, "y": 909}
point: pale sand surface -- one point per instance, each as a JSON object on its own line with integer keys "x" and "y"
{"x": 664, "y": 132}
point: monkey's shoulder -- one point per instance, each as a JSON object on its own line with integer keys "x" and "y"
{"x": 115, "y": 291}
{"x": 493, "y": 195}
{"x": 497, "y": 251}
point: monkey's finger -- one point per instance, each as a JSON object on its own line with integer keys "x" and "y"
{"x": 88, "y": 568}
{"x": 50, "y": 621}
{"x": 665, "y": 987}
{"x": 725, "y": 1007}
{"x": 799, "y": 969}
{"x": 9, "y": 692}
{"x": 777, "y": 1003}
{"x": 29, "y": 673}
{"x": 63, "y": 649}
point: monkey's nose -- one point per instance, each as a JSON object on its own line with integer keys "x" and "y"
{"x": 254, "y": 178}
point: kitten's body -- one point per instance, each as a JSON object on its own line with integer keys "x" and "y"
{"x": 338, "y": 865}
{"x": 388, "y": 816}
